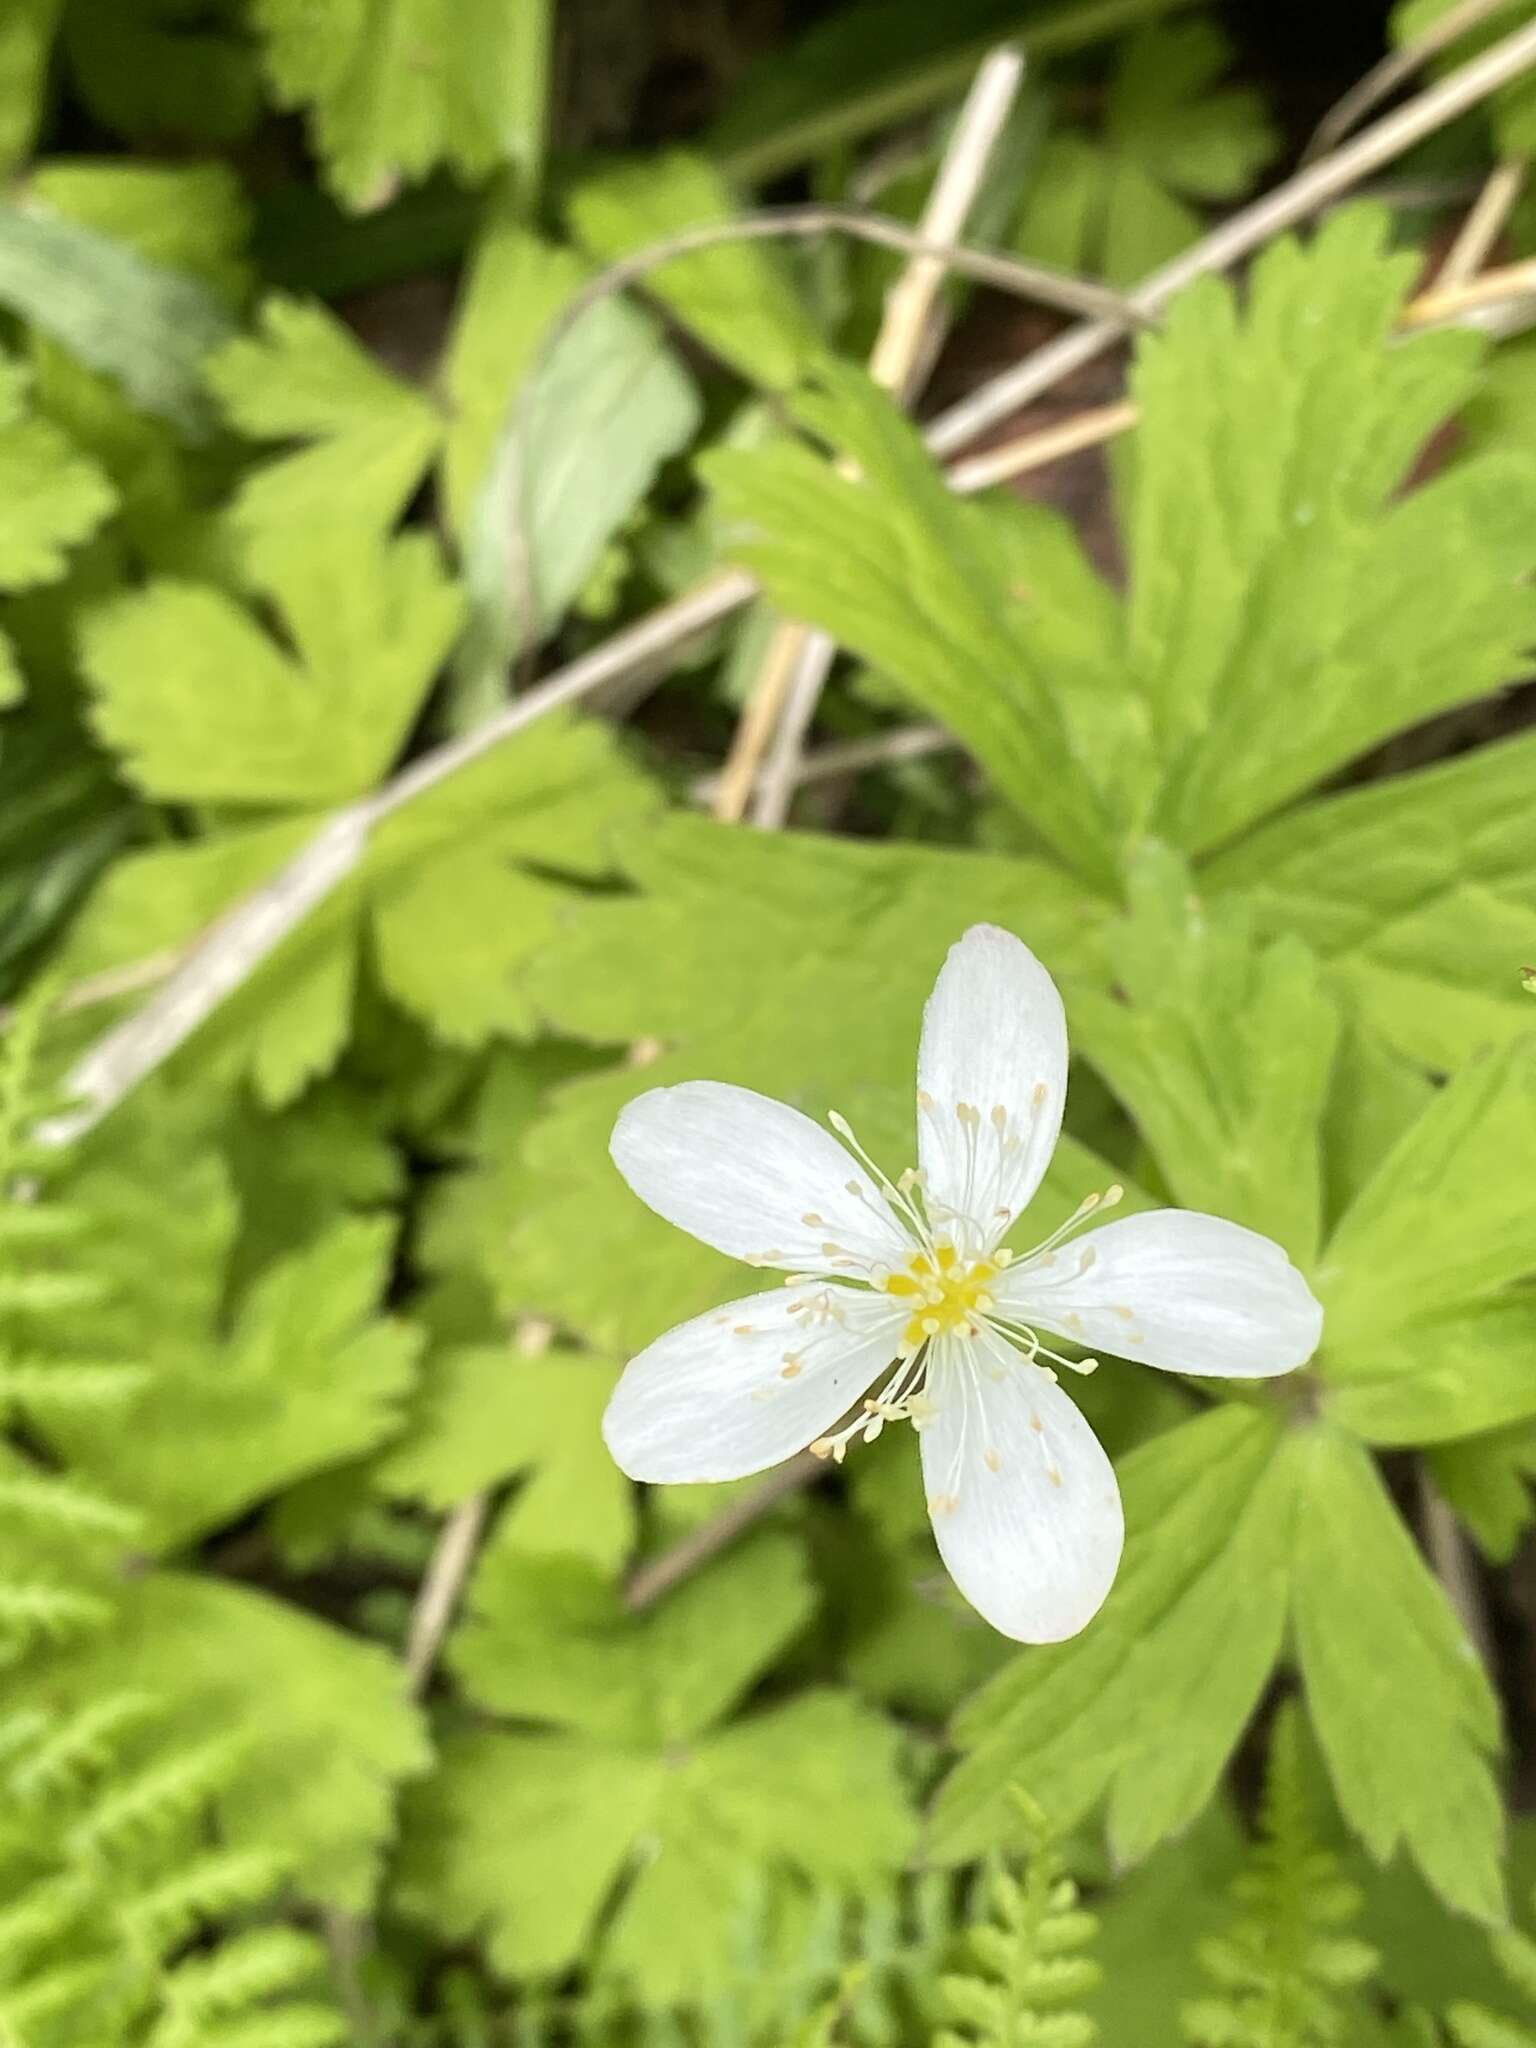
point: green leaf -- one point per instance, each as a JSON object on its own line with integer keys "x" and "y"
{"x": 579, "y": 449}
{"x": 327, "y": 1730}
{"x": 51, "y": 496}
{"x": 1221, "y": 1050}
{"x": 519, "y": 1839}
{"x": 916, "y": 583}
{"x": 489, "y": 1414}
{"x": 1421, "y": 890}
{"x": 522, "y": 1838}
{"x": 1436, "y": 1225}
{"x": 396, "y": 87}
{"x": 1148, "y": 1704}
{"x": 146, "y": 327}
{"x": 1486, "y": 1480}
{"x": 1110, "y": 206}
{"x": 553, "y": 796}
{"x": 1402, "y": 1707}
{"x": 738, "y": 298}
{"x": 366, "y": 436}
{"x": 1285, "y": 613}
{"x": 648, "y": 1680}
{"x": 187, "y": 217}
{"x": 1447, "y": 1375}
{"x": 205, "y": 705}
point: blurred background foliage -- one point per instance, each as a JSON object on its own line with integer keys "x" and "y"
{"x": 347, "y": 1692}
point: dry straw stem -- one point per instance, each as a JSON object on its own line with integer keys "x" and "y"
{"x": 1483, "y": 225}
{"x": 1396, "y": 69}
{"x": 782, "y": 702}
{"x": 234, "y": 947}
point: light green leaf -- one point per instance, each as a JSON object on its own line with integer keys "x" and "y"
{"x": 1443, "y": 1376}
{"x": 554, "y": 796}
{"x": 1220, "y": 1050}
{"x": 1148, "y": 1704}
{"x": 519, "y": 1839}
{"x": 206, "y": 706}
{"x": 488, "y": 1414}
{"x": 1403, "y": 1710}
{"x": 1421, "y": 890}
{"x": 187, "y": 217}
{"x": 51, "y": 498}
{"x": 1436, "y": 1225}
{"x": 647, "y": 1680}
{"x": 738, "y": 298}
{"x": 311, "y": 1375}
{"x": 1376, "y": 1095}
{"x": 146, "y": 327}
{"x": 396, "y": 87}
{"x": 367, "y": 436}
{"x": 1284, "y": 612}
{"x": 1486, "y": 1480}
{"x": 607, "y": 405}
{"x": 328, "y": 1729}
{"x": 918, "y": 584}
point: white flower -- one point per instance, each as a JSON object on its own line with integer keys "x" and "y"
{"x": 912, "y": 1275}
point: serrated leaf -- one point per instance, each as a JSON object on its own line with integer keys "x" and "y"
{"x": 1401, "y": 1705}
{"x": 488, "y": 1414}
{"x": 206, "y": 706}
{"x": 1446, "y": 1184}
{"x": 646, "y": 1680}
{"x": 1283, "y": 614}
{"x": 51, "y": 498}
{"x": 1130, "y": 1706}
{"x": 554, "y": 795}
{"x": 738, "y": 298}
{"x": 192, "y": 217}
{"x": 328, "y": 1732}
{"x": 147, "y": 327}
{"x": 396, "y": 87}
{"x": 1222, "y": 1052}
{"x": 917, "y": 584}
{"x": 1418, "y": 889}
{"x": 367, "y": 436}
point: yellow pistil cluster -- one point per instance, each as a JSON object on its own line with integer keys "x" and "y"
{"x": 947, "y": 1293}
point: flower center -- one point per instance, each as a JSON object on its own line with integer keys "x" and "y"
{"x": 948, "y": 1293}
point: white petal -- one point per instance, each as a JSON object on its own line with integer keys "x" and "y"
{"x": 1175, "y": 1289}
{"x": 748, "y": 1385}
{"x": 991, "y": 1078}
{"x": 1024, "y": 1502}
{"x": 754, "y": 1178}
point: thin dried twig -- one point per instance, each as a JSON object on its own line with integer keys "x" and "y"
{"x": 647, "y": 1585}
{"x": 1297, "y": 199}
{"x": 232, "y": 949}
{"x": 1440, "y": 305}
{"x": 1395, "y": 69}
{"x": 453, "y": 1555}
{"x": 1483, "y": 225}
{"x": 852, "y": 757}
{"x": 799, "y": 658}
{"x": 1454, "y": 1566}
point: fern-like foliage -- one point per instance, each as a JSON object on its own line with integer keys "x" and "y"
{"x": 1028, "y": 1974}
{"x": 1286, "y": 1968}
{"x": 114, "y": 1884}
{"x": 124, "y": 1923}
{"x": 1473, "y": 2025}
